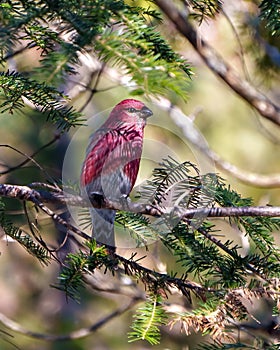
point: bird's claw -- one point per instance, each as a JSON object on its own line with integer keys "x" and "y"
{"x": 97, "y": 199}
{"x": 125, "y": 201}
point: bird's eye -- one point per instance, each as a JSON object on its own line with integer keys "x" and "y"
{"x": 131, "y": 110}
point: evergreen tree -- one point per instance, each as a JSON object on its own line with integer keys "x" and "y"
{"x": 56, "y": 57}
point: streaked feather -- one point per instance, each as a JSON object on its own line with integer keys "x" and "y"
{"x": 112, "y": 162}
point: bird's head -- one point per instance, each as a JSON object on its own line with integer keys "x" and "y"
{"x": 130, "y": 111}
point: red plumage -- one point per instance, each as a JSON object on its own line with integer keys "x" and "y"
{"x": 112, "y": 161}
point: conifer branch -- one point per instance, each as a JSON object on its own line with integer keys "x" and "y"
{"x": 175, "y": 204}
{"x": 58, "y": 197}
{"x": 131, "y": 267}
{"x": 270, "y": 14}
{"x": 47, "y": 99}
{"x": 147, "y": 320}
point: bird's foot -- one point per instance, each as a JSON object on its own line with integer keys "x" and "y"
{"x": 97, "y": 199}
{"x": 125, "y": 201}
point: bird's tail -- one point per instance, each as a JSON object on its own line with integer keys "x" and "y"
{"x": 103, "y": 225}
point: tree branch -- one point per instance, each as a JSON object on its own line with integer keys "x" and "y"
{"x": 38, "y": 197}
{"x": 28, "y": 158}
{"x": 146, "y": 275}
{"x": 218, "y": 66}
{"x": 131, "y": 267}
{"x": 78, "y": 334}
{"x": 185, "y": 124}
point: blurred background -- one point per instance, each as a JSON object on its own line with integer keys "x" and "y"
{"x": 229, "y": 126}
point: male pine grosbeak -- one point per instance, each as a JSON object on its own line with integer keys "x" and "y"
{"x": 112, "y": 162}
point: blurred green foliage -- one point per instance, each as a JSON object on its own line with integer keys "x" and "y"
{"x": 64, "y": 61}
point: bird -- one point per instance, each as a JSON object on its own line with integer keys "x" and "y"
{"x": 111, "y": 164}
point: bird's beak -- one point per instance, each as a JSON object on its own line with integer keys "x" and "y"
{"x": 145, "y": 112}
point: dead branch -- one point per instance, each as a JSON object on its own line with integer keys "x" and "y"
{"x": 188, "y": 128}
{"x": 218, "y": 66}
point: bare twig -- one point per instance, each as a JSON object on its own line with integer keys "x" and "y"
{"x": 18, "y": 52}
{"x": 94, "y": 89}
{"x": 28, "y": 158}
{"x": 81, "y": 333}
{"x": 240, "y": 46}
{"x": 250, "y": 178}
{"x": 190, "y": 132}
{"x": 215, "y": 62}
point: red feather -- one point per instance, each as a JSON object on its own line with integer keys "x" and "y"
{"x": 118, "y": 141}
{"x": 112, "y": 161}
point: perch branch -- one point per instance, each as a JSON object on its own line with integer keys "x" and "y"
{"x": 38, "y": 197}
{"x": 27, "y": 194}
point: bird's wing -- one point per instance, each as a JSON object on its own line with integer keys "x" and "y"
{"x": 96, "y": 154}
{"x": 109, "y": 151}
